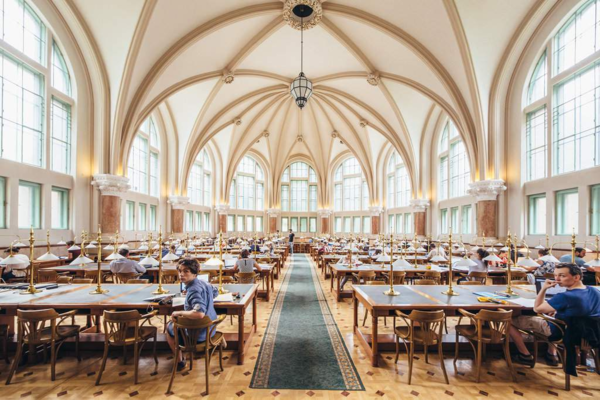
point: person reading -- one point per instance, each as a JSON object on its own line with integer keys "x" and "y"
{"x": 128, "y": 266}
{"x": 246, "y": 264}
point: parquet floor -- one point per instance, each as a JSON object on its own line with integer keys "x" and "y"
{"x": 76, "y": 380}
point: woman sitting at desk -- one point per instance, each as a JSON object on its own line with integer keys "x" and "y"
{"x": 480, "y": 264}
{"x": 246, "y": 264}
{"x": 14, "y": 271}
{"x": 346, "y": 260}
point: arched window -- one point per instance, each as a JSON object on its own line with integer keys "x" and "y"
{"x": 299, "y": 188}
{"x": 143, "y": 165}
{"x": 351, "y": 192}
{"x": 454, "y": 170}
{"x": 248, "y": 187}
{"x": 26, "y": 64}
{"x": 397, "y": 178}
{"x": 199, "y": 182}
{"x": 572, "y": 94}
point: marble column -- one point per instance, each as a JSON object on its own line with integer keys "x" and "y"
{"x": 111, "y": 188}
{"x": 325, "y": 218}
{"x": 222, "y": 210}
{"x": 273, "y": 214}
{"x": 376, "y": 212}
{"x": 178, "y": 204}
{"x": 419, "y": 207}
{"x": 486, "y": 194}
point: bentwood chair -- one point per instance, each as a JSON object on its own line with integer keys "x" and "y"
{"x": 488, "y": 327}
{"x": 82, "y": 281}
{"x": 432, "y": 275}
{"x": 138, "y": 281}
{"x": 169, "y": 276}
{"x": 124, "y": 277}
{"x": 47, "y": 275}
{"x": 424, "y": 328}
{"x": 424, "y": 282}
{"x": 518, "y": 276}
{"x": 399, "y": 277}
{"x": 469, "y": 283}
{"x": 122, "y": 329}
{"x": 39, "y": 328}
{"x": 4, "y": 337}
{"x": 476, "y": 276}
{"x": 363, "y": 277}
{"x": 186, "y": 332}
{"x": 246, "y": 277}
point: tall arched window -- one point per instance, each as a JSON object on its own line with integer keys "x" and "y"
{"x": 247, "y": 193}
{"x": 454, "y": 170}
{"x": 143, "y": 165}
{"x": 298, "y": 197}
{"x": 26, "y": 64}
{"x": 398, "y": 183}
{"x": 199, "y": 182}
{"x": 350, "y": 194}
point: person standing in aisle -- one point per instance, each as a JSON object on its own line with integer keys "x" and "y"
{"x": 291, "y": 242}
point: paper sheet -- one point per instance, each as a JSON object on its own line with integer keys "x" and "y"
{"x": 523, "y": 302}
{"x": 227, "y": 297}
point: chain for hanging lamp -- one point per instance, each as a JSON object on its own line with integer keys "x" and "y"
{"x": 301, "y": 88}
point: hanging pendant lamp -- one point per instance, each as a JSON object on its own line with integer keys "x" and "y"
{"x": 301, "y": 88}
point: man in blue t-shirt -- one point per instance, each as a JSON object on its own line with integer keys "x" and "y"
{"x": 577, "y": 301}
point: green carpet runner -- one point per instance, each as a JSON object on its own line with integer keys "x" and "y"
{"x": 302, "y": 347}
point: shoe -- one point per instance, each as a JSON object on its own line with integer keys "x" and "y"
{"x": 551, "y": 359}
{"x": 525, "y": 359}
{"x": 181, "y": 366}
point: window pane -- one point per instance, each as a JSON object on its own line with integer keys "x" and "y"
{"x": 347, "y": 223}
{"x": 195, "y": 184}
{"x": 538, "y": 83}
{"x": 402, "y": 187}
{"x": 460, "y": 173}
{"x": 260, "y": 193}
{"x": 207, "y": 222}
{"x": 152, "y": 223}
{"x": 356, "y": 225}
{"x": 366, "y": 224}
{"x": 443, "y": 178}
{"x": 2, "y": 202}
{"x": 60, "y": 73}
{"x": 577, "y": 38}
{"x": 24, "y": 30}
{"x": 537, "y": 214}
{"x": 240, "y": 223}
{"x": 61, "y": 137}
{"x": 299, "y": 195}
{"x": 313, "y": 198}
{"x": 294, "y": 224}
{"x": 338, "y": 224}
{"x": 285, "y": 198}
{"x": 399, "y": 224}
{"x": 535, "y": 144}
{"x": 129, "y": 215}
{"x": 259, "y": 224}
{"x": 249, "y": 223}
{"x": 138, "y": 165}
{"x": 408, "y": 224}
{"x": 595, "y": 207}
{"x": 29, "y": 205}
{"x": 303, "y": 224}
{"x": 154, "y": 174}
{"x": 230, "y": 223}
{"x": 444, "y": 221}
{"x": 141, "y": 217}
{"x": 567, "y": 212}
{"x": 466, "y": 219}
{"x": 312, "y": 225}
{"x": 454, "y": 219}
{"x": 60, "y": 208}
{"x": 284, "y": 224}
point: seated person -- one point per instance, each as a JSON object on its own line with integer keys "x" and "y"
{"x": 480, "y": 264}
{"x": 503, "y": 255}
{"x": 199, "y": 297}
{"x": 578, "y": 301}
{"x": 589, "y": 273}
{"x": 254, "y": 247}
{"x": 15, "y": 270}
{"x": 126, "y": 266}
{"x": 433, "y": 251}
{"x": 73, "y": 254}
{"x": 346, "y": 260}
{"x": 246, "y": 264}
{"x": 545, "y": 267}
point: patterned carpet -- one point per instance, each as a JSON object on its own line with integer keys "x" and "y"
{"x": 302, "y": 347}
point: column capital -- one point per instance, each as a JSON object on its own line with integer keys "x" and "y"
{"x": 324, "y": 212}
{"x": 375, "y": 211}
{"x": 222, "y": 209}
{"x": 178, "y": 202}
{"x": 111, "y": 185}
{"x": 486, "y": 190}
{"x": 419, "y": 205}
{"x": 273, "y": 212}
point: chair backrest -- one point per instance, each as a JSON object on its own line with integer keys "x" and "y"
{"x": 93, "y": 275}
{"x": 366, "y": 275}
{"x": 430, "y": 324}
{"x": 123, "y": 277}
{"x": 228, "y": 279}
{"x": 597, "y": 278}
{"x": 498, "y": 323}
{"x": 138, "y": 281}
{"x": 433, "y": 275}
{"x": 399, "y": 277}
{"x": 171, "y": 275}
{"x": 83, "y": 280}
{"x": 518, "y": 275}
{"x": 116, "y": 324}
{"x": 47, "y": 275}
{"x": 477, "y": 276}
{"x": 425, "y": 282}
{"x": 376, "y": 283}
{"x": 32, "y": 323}
{"x": 187, "y": 331}
{"x": 469, "y": 283}
{"x": 245, "y": 277}
{"x": 519, "y": 283}
{"x": 64, "y": 279}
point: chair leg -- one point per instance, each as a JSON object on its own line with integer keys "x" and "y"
{"x": 15, "y": 363}
{"x": 384, "y": 321}
{"x": 191, "y": 357}
{"x": 154, "y": 349}
{"x": 221, "y": 356}
{"x": 567, "y": 376}
{"x": 506, "y": 350}
{"x": 478, "y": 361}
{"x": 104, "y": 357}
{"x": 124, "y": 355}
{"x": 366, "y": 314}
{"x": 175, "y": 360}
{"x": 53, "y": 361}
{"x": 136, "y": 359}
{"x": 441, "y": 356}
{"x": 77, "y": 348}
{"x": 455, "y": 350}
{"x": 397, "y": 349}
{"x": 410, "y": 361}
{"x": 206, "y": 365}
{"x": 426, "y": 353}
{"x": 5, "y": 348}
{"x": 535, "y": 351}
{"x": 45, "y": 353}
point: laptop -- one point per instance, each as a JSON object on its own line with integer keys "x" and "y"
{"x": 203, "y": 277}
{"x": 550, "y": 292}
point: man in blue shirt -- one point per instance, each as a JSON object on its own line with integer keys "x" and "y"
{"x": 577, "y": 301}
{"x": 199, "y": 299}
{"x": 579, "y": 254}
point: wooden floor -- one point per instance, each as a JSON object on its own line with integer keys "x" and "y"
{"x": 76, "y": 380}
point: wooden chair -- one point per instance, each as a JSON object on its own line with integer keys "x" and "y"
{"x": 488, "y": 327}
{"x": 422, "y": 327}
{"x": 82, "y": 281}
{"x": 170, "y": 276}
{"x": 477, "y": 276}
{"x": 93, "y": 275}
{"x": 40, "y": 328}
{"x": 432, "y": 275}
{"x": 399, "y": 277}
{"x": 518, "y": 276}
{"x": 228, "y": 279}
{"x": 186, "y": 332}
{"x": 138, "y": 281}
{"x": 122, "y": 329}
{"x": 597, "y": 278}
{"x": 425, "y": 282}
{"x": 550, "y": 275}
{"x": 4, "y": 337}
{"x": 519, "y": 283}
{"x": 64, "y": 279}
{"x": 124, "y": 277}
{"x": 246, "y": 277}
{"x": 47, "y": 275}
{"x": 469, "y": 283}
{"x": 363, "y": 277}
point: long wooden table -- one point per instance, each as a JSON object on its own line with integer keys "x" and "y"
{"x": 131, "y": 297}
{"x": 423, "y": 298}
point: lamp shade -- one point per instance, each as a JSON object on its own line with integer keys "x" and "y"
{"x": 384, "y": 258}
{"x": 12, "y": 260}
{"x": 156, "y": 247}
{"x": 401, "y": 263}
{"x": 526, "y": 262}
{"x": 94, "y": 242}
{"x": 19, "y": 244}
{"x": 593, "y": 263}
{"x": 550, "y": 258}
{"x": 438, "y": 258}
{"x": 149, "y": 261}
{"x": 465, "y": 262}
{"x": 123, "y": 246}
{"x": 214, "y": 262}
{"x": 81, "y": 260}
{"x": 114, "y": 256}
{"x": 91, "y": 246}
{"x": 110, "y": 247}
{"x": 61, "y": 243}
{"x": 474, "y": 248}
{"x": 492, "y": 250}
{"x": 47, "y": 257}
{"x": 504, "y": 248}
{"x": 492, "y": 257}
{"x": 421, "y": 250}
{"x": 143, "y": 247}
{"x": 539, "y": 246}
{"x": 74, "y": 248}
{"x": 170, "y": 257}
{"x": 301, "y": 90}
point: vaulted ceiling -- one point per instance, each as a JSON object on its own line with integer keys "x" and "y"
{"x": 380, "y": 70}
